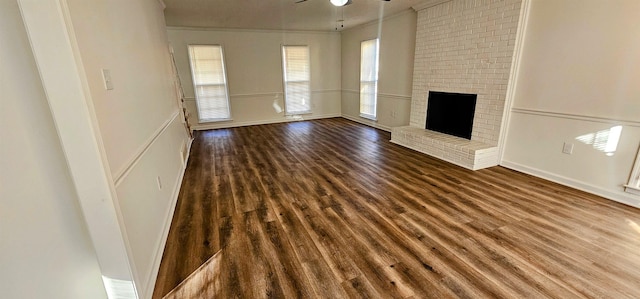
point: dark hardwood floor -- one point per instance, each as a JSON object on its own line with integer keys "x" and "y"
{"x": 331, "y": 209}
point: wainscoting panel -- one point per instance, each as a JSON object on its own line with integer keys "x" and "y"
{"x": 147, "y": 194}
{"x": 268, "y": 107}
{"x": 602, "y": 157}
{"x": 393, "y": 110}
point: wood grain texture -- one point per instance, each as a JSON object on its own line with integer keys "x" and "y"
{"x": 330, "y": 209}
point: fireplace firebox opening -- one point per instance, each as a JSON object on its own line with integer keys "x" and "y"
{"x": 451, "y": 113}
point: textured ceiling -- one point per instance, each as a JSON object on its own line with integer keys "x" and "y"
{"x": 317, "y": 15}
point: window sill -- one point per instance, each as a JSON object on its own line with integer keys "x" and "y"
{"x": 298, "y": 113}
{"x": 632, "y": 189}
{"x": 369, "y": 117}
{"x": 217, "y": 120}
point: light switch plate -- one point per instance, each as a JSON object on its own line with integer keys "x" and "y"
{"x": 567, "y": 148}
{"x": 106, "y": 77}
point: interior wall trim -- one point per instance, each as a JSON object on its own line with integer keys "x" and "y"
{"x": 56, "y": 54}
{"x": 394, "y": 96}
{"x": 367, "y": 122}
{"x": 325, "y": 91}
{"x": 376, "y": 22}
{"x": 266, "y": 94}
{"x": 292, "y": 118}
{"x": 151, "y": 281}
{"x": 427, "y": 4}
{"x": 591, "y": 118}
{"x": 620, "y": 197}
{"x": 251, "y": 30}
{"x": 352, "y": 91}
{"x": 119, "y": 176}
{"x": 516, "y": 60}
{"x": 381, "y": 94}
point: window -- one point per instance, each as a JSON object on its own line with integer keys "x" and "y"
{"x": 368, "y": 78}
{"x": 209, "y": 82}
{"x": 634, "y": 181}
{"x": 297, "y": 90}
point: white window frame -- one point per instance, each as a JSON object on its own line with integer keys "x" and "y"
{"x": 202, "y": 119}
{"x": 376, "y": 65}
{"x": 634, "y": 180}
{"x": 288, "y": 97}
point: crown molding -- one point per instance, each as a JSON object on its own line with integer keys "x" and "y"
{"x": 387, "y": 18}
{"x": 428, "y": 3}
{"x": 189, "y": 28}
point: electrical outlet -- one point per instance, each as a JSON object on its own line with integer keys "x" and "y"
{"x": 567, "y": 148}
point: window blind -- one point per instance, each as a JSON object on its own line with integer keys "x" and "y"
{"x": 368, "y": 78}
{"x": 210, "y": 82}
{"x": 296, "y": 79}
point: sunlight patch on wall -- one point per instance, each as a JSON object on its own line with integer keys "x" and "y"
{"x": 119, "y": 289}
{"x": 276, "y": 105}
{"x": 605, "y": 141}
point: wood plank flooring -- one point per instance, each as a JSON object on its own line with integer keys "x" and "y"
{"x": 331, "y": 209}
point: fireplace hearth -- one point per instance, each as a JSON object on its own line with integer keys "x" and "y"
{"x": 471, "y": 54}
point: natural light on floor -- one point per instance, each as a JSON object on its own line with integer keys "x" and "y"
{"x": 605, "y": 141}
{"x": 634, "y": 225}
{"x": 294, "y": 117}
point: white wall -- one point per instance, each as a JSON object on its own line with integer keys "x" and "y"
{"x": 138, "y": 120}
{"x": 128, "y": 38}
{"x": 146, "y": 209}
{"x": 46, "y": 249}
{"x": 395, "y": 75}
{"x": 577, "y": 76}
{"x": 254, "y": 72}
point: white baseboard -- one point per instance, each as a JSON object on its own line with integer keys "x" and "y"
{"x": 620, "y": 197}
{"x": 151, "y": 282}
{"x": 224, "y": 125}
{"x": 367, "y": 122}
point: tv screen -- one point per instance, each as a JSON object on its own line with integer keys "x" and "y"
{"x": 451, "y": 113}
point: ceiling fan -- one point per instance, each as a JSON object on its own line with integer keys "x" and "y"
{"x": 336, "y": 2}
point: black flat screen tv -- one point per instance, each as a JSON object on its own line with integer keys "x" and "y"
{"x": 451, "y": 113}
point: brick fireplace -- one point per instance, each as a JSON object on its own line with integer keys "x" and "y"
{"x": 462, "y": 46}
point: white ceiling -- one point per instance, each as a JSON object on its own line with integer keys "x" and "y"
{"x": 318, "y": 15}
